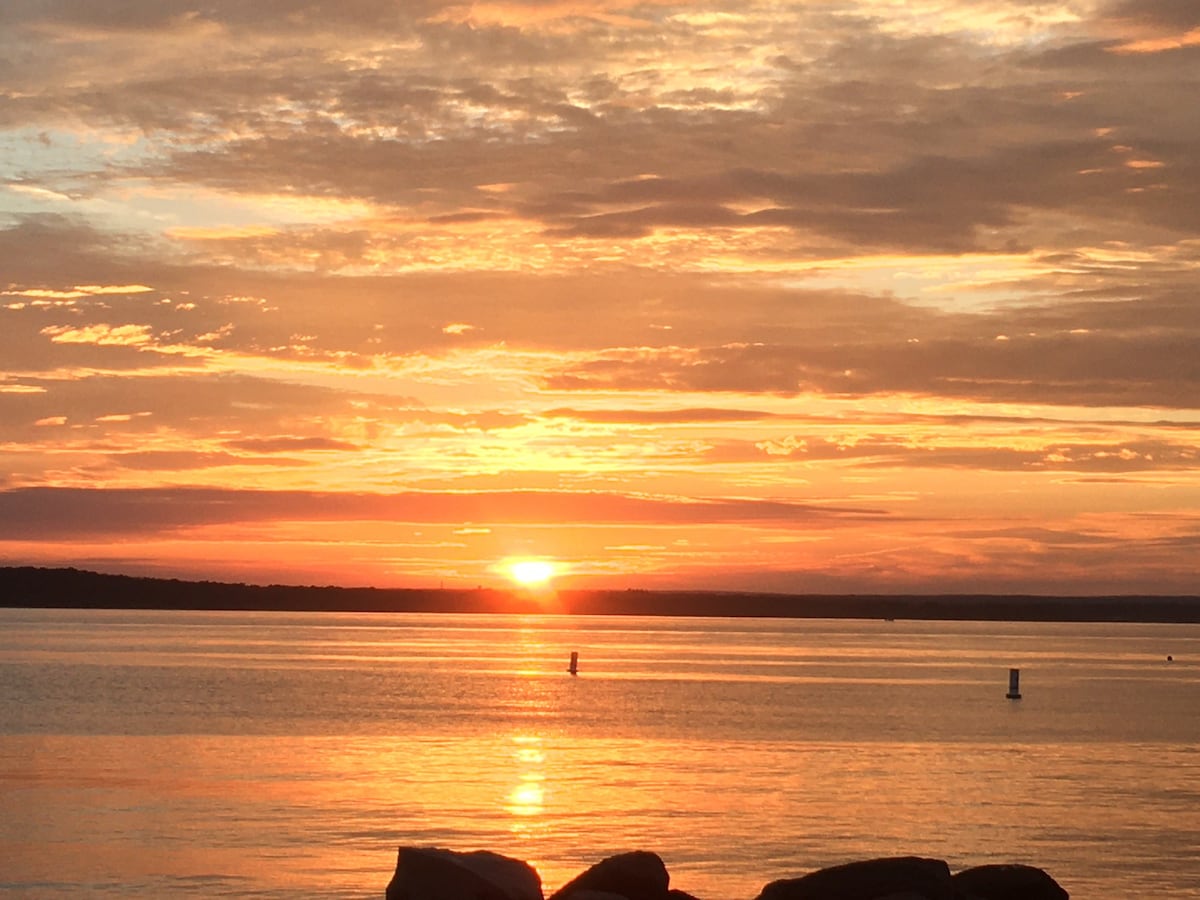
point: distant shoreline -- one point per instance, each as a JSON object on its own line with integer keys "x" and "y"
{"x": 69, "y": 588}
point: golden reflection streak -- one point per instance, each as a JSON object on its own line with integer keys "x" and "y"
{"x": 526, "y": 802}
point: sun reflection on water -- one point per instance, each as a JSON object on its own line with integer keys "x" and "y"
{"x": 526, "y": 801}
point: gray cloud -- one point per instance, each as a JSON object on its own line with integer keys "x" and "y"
{"x": 171, "y": 15}
{"x": 193, "y": 406}
{"x": 1180, "y": 14}
{"x": 65, "y": 513}
{"x": 1085, "y": 371}
{"x": 1106, "y": 339}
{"x": 189, "y": 460}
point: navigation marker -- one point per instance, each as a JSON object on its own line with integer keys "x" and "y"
{"x": 1014, "y": 684}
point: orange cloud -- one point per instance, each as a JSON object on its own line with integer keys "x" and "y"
{"x": 101, "y": 335}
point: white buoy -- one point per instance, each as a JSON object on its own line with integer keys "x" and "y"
{"x": 574, "y": 667}
{"x": 1014, "y": 684}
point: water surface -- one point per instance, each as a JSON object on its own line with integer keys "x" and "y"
{"x": 150, "y": 754}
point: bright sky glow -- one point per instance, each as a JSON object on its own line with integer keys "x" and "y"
{"x": 861, "y": 295}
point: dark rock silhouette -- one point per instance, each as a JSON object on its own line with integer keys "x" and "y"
{"x": 429, "y": 873}
{"x": 437, "y": 874}
{"x": 1008, "y": 882}
{"x": 639, "y": 875}
{"x": 875, "y": 879}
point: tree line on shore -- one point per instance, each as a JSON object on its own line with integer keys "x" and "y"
{"x": 71, "y": 588}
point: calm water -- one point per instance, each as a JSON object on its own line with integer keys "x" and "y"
{"x": 145, "y": 755}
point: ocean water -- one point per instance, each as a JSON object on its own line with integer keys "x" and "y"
{"x": 273, "y": 755}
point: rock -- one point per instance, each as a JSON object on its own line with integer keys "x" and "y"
{"x": 586, "y": 894}
{"x": 431, "y": 873}
{"x": 638, "y": 875}
{"x": 874, "y": 879}
{"x": 1009, "y": 882}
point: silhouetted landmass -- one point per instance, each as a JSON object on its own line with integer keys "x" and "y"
{"x": 78, "y": 589}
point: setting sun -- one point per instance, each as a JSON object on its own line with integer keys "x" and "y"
{"x": 531, "y": 572}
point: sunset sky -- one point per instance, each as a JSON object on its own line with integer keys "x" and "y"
{"x": 840, "y": 295}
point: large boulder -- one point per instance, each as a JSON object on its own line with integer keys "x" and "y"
{"x": 431, "y": 873}
{"x": 639, "y": 875}
{"x": 1008, "y": 882}
{"x": 873, "y": 879}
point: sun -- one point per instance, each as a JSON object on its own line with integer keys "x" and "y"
{"x": 531, "y": 572}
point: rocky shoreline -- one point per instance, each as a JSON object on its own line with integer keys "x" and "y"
{"x": 429, "y": 873}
